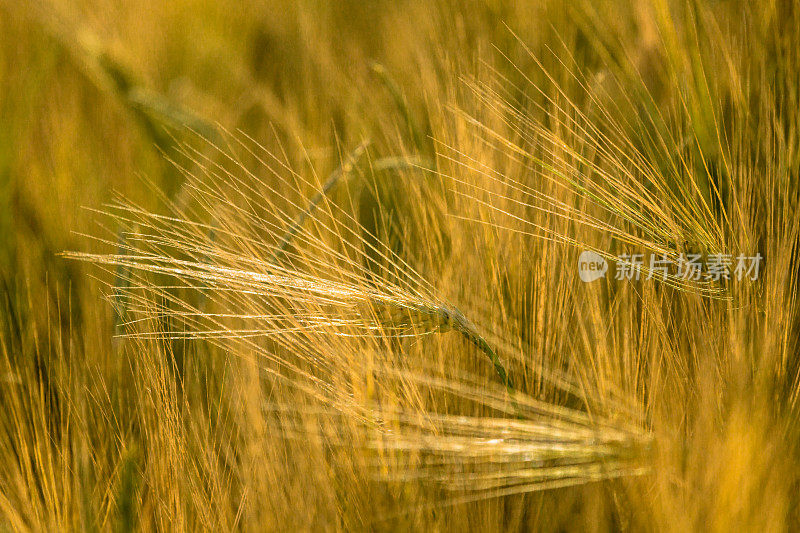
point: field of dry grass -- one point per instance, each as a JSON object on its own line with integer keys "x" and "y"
{"x": 309, "y": 265}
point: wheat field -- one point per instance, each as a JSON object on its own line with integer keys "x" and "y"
{"x": 486, "y": 265}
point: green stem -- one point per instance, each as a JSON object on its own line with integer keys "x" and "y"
{"x": 468, "y": 330}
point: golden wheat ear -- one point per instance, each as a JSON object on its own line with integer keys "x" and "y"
{"x": 518, "y": 447}
{"x": 245, "y": 255}
{"x": 583, "y": 177}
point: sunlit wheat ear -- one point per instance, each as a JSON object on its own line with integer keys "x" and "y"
{"x": 477, "y": 458}
{"x": 525, "y": 447}
{"x": 581, "y": 177}
{"x": 252, "y": 283}
{"x": 275, "y": 300}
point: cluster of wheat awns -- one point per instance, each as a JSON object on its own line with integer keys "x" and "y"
{"x": 252, "y": 267}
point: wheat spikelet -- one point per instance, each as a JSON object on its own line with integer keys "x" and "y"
{"x": 585, "y": 172}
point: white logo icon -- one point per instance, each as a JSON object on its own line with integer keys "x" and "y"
{"x": 591, "y": 266}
